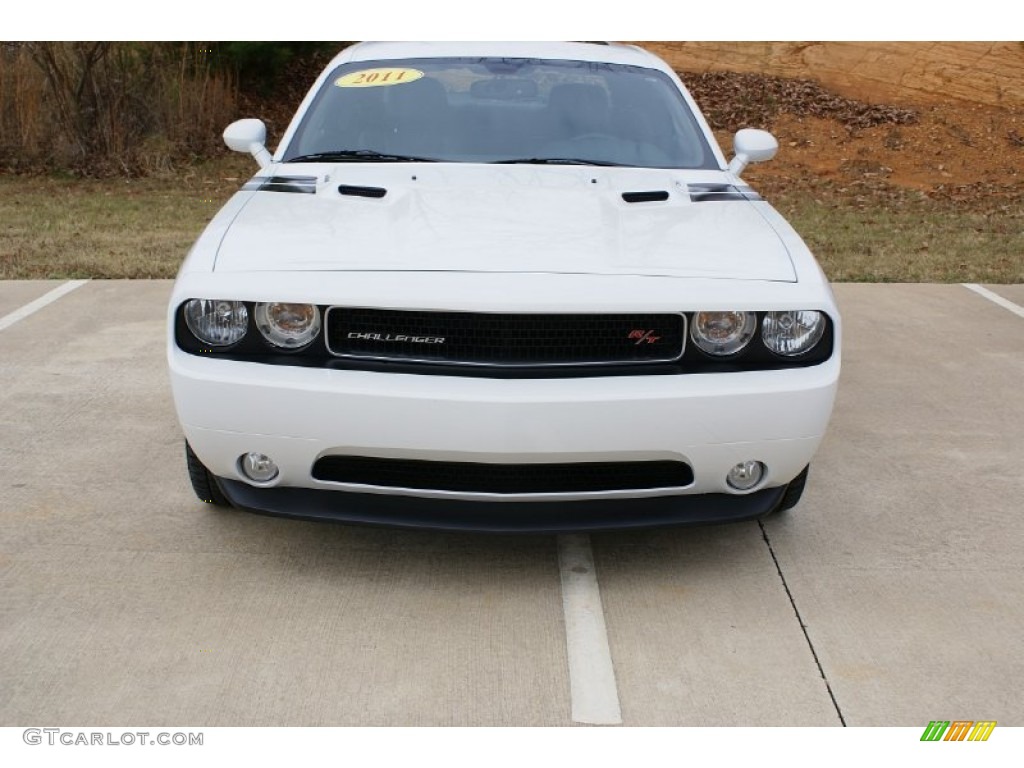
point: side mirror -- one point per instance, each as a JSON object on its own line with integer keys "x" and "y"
{"x": 250, "y": 136}
{"x": 752, "y": 146}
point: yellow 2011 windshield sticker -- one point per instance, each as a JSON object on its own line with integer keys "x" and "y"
{"x": 369, "y": 78}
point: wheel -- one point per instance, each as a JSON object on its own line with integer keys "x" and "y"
{"x": 794, "y": 491}
{"x": 203, "y": 483}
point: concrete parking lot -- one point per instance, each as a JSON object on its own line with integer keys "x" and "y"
{"x": 892, "y": 595}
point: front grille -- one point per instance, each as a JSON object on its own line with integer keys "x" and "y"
{"x": 493, "y": 339}
{"x": 469, "y": 477}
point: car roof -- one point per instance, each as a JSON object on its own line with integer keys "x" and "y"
{"x": 614, "y": 53}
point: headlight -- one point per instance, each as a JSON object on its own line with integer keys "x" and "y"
{"x": 217, "y": 322}
{"x": 792, "y": 333}
{"x": 288, "y": 325}
{"x": 723, "y": 333}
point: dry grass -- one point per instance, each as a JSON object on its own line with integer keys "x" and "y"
{"x": 142, "y": 228}
{"x": 109, "y": 228}
{"x": 911, "y": 238}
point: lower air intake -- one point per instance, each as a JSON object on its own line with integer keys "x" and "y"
{"x": 469, "y": 477}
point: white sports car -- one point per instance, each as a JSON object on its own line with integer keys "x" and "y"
{"x": 501, "y": 286}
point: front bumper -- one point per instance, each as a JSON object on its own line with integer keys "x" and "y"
{"x": 297, "y": 415}
{"x": 501, "y": 517}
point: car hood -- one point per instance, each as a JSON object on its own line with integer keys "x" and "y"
{"x": 502, "y": 218}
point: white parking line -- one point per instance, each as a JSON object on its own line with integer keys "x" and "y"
{"x": 1017, "y": 309}
{"x": 595, "y": 698}
{"x": 34, "y": 306}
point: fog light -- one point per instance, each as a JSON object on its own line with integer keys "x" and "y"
{"x": 258, "y": 468}
{"x": 745, "y": 475}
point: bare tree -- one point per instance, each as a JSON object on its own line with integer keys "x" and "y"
{"x": 71, "y": 71}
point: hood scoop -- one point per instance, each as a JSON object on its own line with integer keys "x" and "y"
{"x": 356, "y": 191}
{"x": 658, "y": 196}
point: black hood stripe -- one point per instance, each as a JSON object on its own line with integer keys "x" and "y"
{"x": 305, "y": 185}
{"x": 708, "y": 193}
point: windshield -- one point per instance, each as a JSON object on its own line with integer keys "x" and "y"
{"x": 483, "y": 110}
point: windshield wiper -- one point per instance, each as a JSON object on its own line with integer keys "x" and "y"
{"x": 554, "y": 161}
{"x": 358, "y": 155}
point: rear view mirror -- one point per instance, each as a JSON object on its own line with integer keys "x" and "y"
{"x": 504, "y": 89}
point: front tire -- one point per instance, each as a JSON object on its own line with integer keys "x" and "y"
{"x": 794, "y": 491}
{"x": 203, "y": 482}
